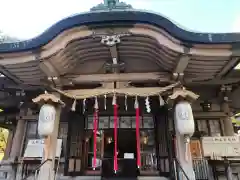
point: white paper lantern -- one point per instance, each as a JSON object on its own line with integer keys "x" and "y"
{"x": 184, "y": 120}
{"x": 46, "y": 120}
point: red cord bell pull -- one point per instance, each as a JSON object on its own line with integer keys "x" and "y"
{"x": 95, "y": 126}
{"x": 115, "y": 109}
{"x": 137, "y": 133}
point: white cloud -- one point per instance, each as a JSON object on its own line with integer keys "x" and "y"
{"x": 26, "y": 19}
{"x": 236, "y": 24}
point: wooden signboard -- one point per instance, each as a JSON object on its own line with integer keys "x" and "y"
{"x": 196, "y": 149}
{"x": 35, "y": 148}
{"x": 225, "y": 146}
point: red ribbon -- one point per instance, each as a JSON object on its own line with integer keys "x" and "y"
{"x": 95, "y": 124}
{"x": 138, "y": 138}
{"x": 115, "y": 137}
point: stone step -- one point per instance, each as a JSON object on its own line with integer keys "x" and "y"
{"x": 99, "y": 178}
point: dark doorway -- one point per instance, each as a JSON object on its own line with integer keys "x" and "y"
{"x": 126, "y": 143}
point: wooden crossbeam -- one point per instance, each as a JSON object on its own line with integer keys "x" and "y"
{"x": 140, "y": 77}
{"x": 120, "y": 77}
{"x": 229, "y": 65}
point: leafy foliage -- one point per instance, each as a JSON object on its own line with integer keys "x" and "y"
{"x": 6, "y": 39}
{"x": 3, "y": 139}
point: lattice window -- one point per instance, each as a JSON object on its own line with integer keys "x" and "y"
{"x": 111, "y": 124}
{"x": 89, "y": 122}
{"x": 202, "y": 126}
{"x": 211, "y": 127}
{"x": 62, "y": 134}
{"x": 148, "y": 122}
{"x": 215, "y": 128}
{"x": 103, "y": 122}
{"x": 106, "y": 122}
{"x": 125, "y": 122}
{"x": 148, "y": 151}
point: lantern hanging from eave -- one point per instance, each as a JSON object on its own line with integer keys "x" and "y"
{"x": 184, "y": 120}
{"x": 46, "y": 120}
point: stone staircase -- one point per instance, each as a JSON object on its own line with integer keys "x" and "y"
{"x": 99, "y": 178}
{"x": 94, "y": 178}
{"x": 4, "y": 175}
{"x": 7, "y": 172}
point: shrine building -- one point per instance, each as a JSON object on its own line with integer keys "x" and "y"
{"x": 120, "y": 93}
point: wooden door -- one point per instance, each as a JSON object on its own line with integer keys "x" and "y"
{"x": 164, "y": 151}
{"x": 75, "y": 145}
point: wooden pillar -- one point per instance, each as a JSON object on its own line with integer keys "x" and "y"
{"x": 18, "y": 139}
{"x": 228, "y": 126}
{"x": 227, "y": 122}
{"x": 228, "y": 131}
{"x": 17, "y": 143}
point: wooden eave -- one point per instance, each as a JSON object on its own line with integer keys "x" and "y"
{"x": 78, "y": 52}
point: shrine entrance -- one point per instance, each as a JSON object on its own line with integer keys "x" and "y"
{"x": 126, "y": 143}
{"x": 91, "y": 153}
{"x": 126, "y": 154}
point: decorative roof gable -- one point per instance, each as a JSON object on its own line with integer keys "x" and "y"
{"x": 109, "y": 5}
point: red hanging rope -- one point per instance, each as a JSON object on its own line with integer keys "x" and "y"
{"x": 95, "y": 125}
{"x": 137, "y": 134}
{"x": 115, "y": 107}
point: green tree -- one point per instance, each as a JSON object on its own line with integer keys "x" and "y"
{"x": 6, "y": 39}
{"x": 3, "y": 139}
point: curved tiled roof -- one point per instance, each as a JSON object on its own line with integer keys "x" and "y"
{"x": 118, "y": 16}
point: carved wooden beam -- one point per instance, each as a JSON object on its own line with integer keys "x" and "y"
{"x": 229, "y": 65}
{"x": 28, "y": 117}
{"x": 141, "y": 77}
{"x": 213, "y": 114}
{"x": 9, "y": 75}
{"x": 216, "y": 81}
{"x": 114, "y": 52}
{"x": 181, "y": 66}
{"x": 121, "y": 77}
{"x": 48, "y": 69}
{"x": 115, "y": 65}
{"x": 111, "y": 41}
{"x": 51, "y": 72}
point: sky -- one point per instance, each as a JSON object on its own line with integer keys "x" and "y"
{"x": 25, "y": 19}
